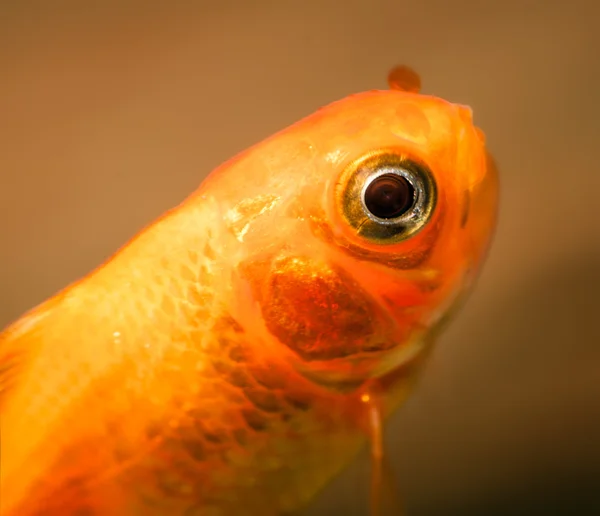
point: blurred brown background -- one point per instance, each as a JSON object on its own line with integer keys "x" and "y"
{"x": 110, "y": 114}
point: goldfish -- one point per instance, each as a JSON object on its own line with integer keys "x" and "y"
{"x": 238, "y": 352}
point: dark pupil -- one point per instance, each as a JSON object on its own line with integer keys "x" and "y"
{"x": 389, "y": 196}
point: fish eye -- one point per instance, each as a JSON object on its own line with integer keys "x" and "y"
{"x": 386, "y": 196}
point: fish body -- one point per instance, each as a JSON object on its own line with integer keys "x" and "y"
{"x": 219, "y": 363}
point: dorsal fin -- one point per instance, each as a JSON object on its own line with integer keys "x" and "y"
{"x": 404, "y": 78}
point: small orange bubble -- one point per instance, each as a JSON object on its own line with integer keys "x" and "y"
{"x": 365, "y": 398}
{"x": 404, "y": 78}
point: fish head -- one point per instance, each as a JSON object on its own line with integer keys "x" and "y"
{"x": 359, "y": 229}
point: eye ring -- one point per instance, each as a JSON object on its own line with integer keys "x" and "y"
{"x": 404, "y": 198}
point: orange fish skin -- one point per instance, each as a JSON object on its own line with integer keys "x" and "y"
{"x": 214, "y": 365}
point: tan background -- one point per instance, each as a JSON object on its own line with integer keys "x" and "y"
{"x": 110, "y": 115}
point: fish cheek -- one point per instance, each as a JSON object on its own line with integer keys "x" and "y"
{"x": 317, "y": 310}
